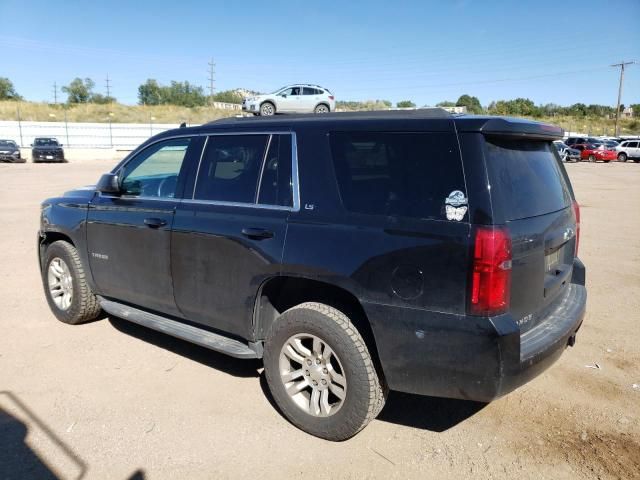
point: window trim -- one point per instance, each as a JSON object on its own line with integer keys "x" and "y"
{"x": 294, "y": 174}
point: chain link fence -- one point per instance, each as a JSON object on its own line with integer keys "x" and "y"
{"x": 121, "y": 136}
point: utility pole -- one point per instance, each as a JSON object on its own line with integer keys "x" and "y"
{"x": 55, "y": 93}
{"x": 108, "y": 85}
{"x": 621, "y": 65}
{"x": 212, "y": 71}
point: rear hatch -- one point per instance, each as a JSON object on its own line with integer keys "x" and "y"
{"x": 532, "y": 196}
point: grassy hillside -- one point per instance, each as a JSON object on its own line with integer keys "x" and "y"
{"x": 43, "y": 112}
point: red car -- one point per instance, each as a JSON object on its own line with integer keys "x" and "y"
{"x": 595, "y": 151}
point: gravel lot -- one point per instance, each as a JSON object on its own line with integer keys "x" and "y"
{"x": 113, "y": 400}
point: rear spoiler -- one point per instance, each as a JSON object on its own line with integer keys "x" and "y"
{"x": 525, "y": 129}
{"x": 515, "y": 128}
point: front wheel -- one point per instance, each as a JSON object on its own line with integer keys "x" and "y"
{"x": 267, "y": 109}
{"x": 68, "y": 293}
{"x": 320, "y": 372}
{"x": 592, "y": 158}
{"x": 622, "y": 157}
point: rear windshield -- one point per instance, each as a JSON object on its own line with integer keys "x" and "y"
{"x": 526, "y": 178}
{"x": 398, "y": 174}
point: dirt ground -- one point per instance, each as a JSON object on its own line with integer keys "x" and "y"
{"x": 113, "y": 400}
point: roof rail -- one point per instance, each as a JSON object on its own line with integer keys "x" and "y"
{"x": 419, "y": 113}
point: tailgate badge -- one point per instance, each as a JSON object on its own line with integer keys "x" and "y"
{"x": 456, "y": 205}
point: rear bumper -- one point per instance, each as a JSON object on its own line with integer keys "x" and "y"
{"x": 474, "y": 358}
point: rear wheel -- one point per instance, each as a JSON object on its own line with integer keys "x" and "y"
{"x": 68, "y": 294}
{"x": 592, "y": 158}
{"x": 267, "y": 109}
{"x": 622, "y": 157}
{"x": 320, "y": 372}
{"x": 322, "y": 108}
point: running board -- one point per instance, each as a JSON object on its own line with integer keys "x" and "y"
{"x": 204, "y": 338}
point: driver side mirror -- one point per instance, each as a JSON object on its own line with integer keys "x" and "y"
{"x": 108, "y": 183}
{"x": 283, "y": 95}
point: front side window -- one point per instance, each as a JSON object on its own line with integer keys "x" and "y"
{"x": 154, "y": 171}
{"x": 397, "y": 174}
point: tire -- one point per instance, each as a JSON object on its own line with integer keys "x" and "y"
{"x": 267, "y": 109}
{"x": 622, "y": 157}
{"x": 82, "y": 306}
{"x": 606, "y": 161}
{"x": 322, "y": 108}
{"x": 363, "y": 394}
{"x": 592, "y": 158}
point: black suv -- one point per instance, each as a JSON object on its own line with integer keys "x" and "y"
{"x": 45, "y": 149}
{"x": 353, "y": 253}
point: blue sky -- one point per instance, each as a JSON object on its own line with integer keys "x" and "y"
{"x": 425, "y": 51}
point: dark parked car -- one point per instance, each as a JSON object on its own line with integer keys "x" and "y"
{"x": 567, "y": 154}
{"x": 47, "y": 150}
{"x": 10, "y": 152}
{"x": 353, "y": 253}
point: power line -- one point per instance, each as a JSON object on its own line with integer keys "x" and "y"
{"x": 211, "y": 79}
{"x": 621, "y": 65}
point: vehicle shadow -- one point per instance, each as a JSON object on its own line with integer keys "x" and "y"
{"x": 232, "y": 366}
{"x": 417, "y": 411}
{"x": 427, "y": 413}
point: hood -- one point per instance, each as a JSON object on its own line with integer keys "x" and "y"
{"x": 81, "y": 192}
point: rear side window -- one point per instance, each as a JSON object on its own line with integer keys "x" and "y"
{"x": 526, "y": 178}
{"x": 230, "y": 168}
{"x": 246, "y": 169}
{"x": 397, "y": 174}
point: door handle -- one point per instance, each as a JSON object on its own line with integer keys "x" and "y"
{"x": 257, "y": 233}
{"x": 154, "y": 222}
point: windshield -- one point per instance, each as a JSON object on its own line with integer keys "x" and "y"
{"x": 46, "y": 142}
{"x": 8, "y": 143}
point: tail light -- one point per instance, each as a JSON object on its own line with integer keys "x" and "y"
{"x": 331, "y": 97}
{"x": 491, "y": 272}
{"x": 576, "y": 212}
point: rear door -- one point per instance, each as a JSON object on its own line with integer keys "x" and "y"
{"x": 229, "y": 236}
{"x": 531, "y": 194}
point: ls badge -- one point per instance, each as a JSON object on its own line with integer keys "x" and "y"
{"x": 456, "y": 205}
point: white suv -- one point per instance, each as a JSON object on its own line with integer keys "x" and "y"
{"x": 298, "y": 98}
{"x": 629, "y": 149}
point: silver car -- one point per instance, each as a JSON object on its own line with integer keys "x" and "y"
{"x": 298, "y": 98}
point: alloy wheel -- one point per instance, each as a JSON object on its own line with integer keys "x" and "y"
{"x": 312, "y": 375}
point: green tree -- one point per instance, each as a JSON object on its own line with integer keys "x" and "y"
{"x": 101, "y": 99}
{"x": 446, "y": 103}
{"x": 79, "y": 91}
{"x": 7, "y": 90}
{"x": 472, "y": 103}
{"x": 405, "y": 104}
{"x": 150, "y": 93}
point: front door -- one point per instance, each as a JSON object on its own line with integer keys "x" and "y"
{"x": 229, "y": 238}
{"x": 129, "y": 234}
{"x": 290, "y": 100}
